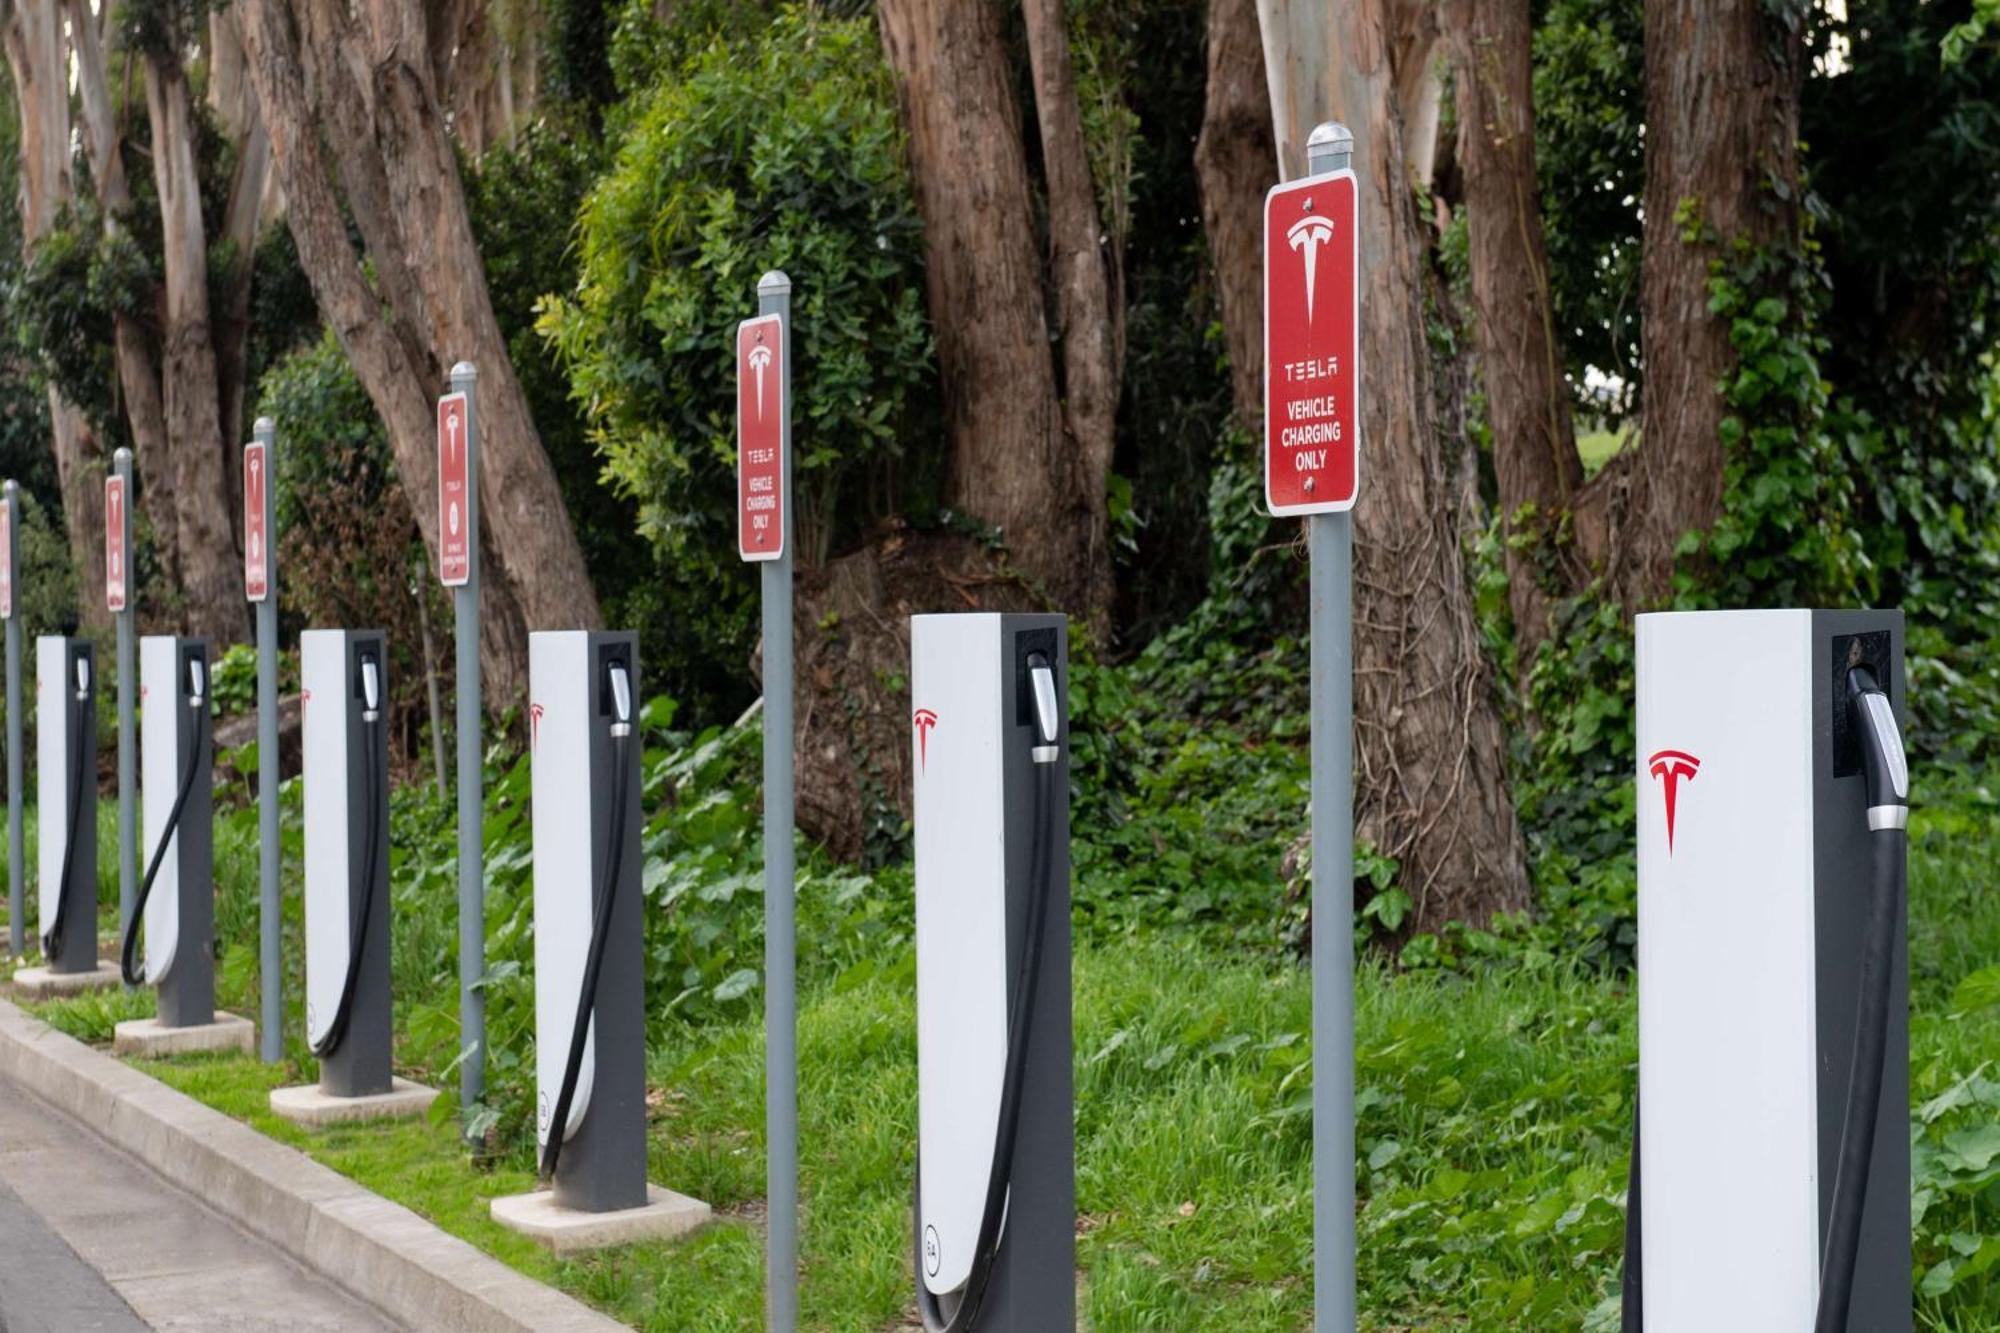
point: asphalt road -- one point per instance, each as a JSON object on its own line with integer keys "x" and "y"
{"x": 91, "y": 1241}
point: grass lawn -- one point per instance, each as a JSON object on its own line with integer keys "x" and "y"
{"x": 1494, "y": 1112}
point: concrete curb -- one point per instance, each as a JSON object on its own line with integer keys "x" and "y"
{"x": 379, "y": 1251}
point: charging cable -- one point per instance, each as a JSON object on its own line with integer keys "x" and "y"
{"x": 52, "y": 941}
{"x": 1045, "y": 752}
{"x": 600, "y": 926}
{"x": 197, "y": 696}
{"x": 371, "y": 744}
{"x": 1888, "y": 776}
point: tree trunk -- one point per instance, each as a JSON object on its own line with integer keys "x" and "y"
{"x": 1535, "y": 461}
{"x": 210, "y": 568}
{"x": 32, "y": 33}
{"x": 369, "y": 77}
{"x": 1087, "y": 320}
{"x": 133, "y": 346}
{"x": 1722, "y": 128}
{"x": 1431, "y": 780}
{"x": 1234, "y": 159}
{"x": 1011, "y": 462}
{"x": 394, "y": 367}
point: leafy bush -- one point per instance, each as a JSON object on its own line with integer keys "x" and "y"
{"x": 784, "y": 151}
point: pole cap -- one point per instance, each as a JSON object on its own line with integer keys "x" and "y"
{"x": 774, "y": 283}
{"x": 10, "y": 489}
{"x": 1329, "y": 147}
{"x": 264, "y": 429}
{"x": 121, "y": 457}
{"x": 464, "y": 370}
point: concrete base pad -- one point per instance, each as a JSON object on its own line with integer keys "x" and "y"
{"x": 306, "y": 1105}
{"x": 148, "y": 1036}
{"x": 664, "y": 1216}
{"x": 39, "y": 983}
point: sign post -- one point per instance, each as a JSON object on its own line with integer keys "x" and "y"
{"x": 260, "y": 587}
{"x": 10, "y": 578}
{"x": 117, "y": 584}
{"x": 458, "y": 569}
{"x": 764, "y": 502}
{"x": 1312, "y": 322}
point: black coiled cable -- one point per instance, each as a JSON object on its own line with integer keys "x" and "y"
{"x": 127, "y": 953}
{"x": 53, "y": 939}
{"x": 600, "y": 935}
{"x": 987, "y": 1247}
{"x": 357, "y": 937}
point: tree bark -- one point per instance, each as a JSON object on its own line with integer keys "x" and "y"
{"x": 133, "y": 345}
{"x": 1431, "y": 781}
{"x": 1088, "y": 321}
{"x": 210, "y": 567}
{"x": 32, "y": 33}
{"x": 394, "y": 366}
{"x": 1234, "y": 159}
{"x": 1535, "y": 461}
{"x": 1722, "y": 129}
{"x": 1012, "y": 463}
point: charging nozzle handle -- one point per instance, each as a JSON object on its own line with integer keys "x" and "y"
{"x": 1883, "y": 763}
{"x": 1048, "y": 717}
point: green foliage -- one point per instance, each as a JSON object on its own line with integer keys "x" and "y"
{"x": 1784, "y": 538}
{"x": 783, "y": 150}
{"x": 63, "y": 305}
{"x": 1589, "y": 108}
{"x": 47, "y": 586}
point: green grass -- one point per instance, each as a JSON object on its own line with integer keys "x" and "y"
{"x": 1494, "y": 1114}
{"x": 1598, "y": 446}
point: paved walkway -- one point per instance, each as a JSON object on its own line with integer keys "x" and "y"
{"x": 91, "y": 1241}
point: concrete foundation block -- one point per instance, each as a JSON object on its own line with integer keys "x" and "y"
{"x": 40, "y": 983}
{"x": 305, "y": 1104}
{"x": 664, "y": 1216}
{"x": 149, "y": 1037}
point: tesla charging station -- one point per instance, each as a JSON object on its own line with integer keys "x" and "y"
{"x": 66, "y": 812}
{"x": 344, "y": 678}
{"x": 1773, "y": 1189}
{"x": 590, "y": 988}
{"x": 996, "y": 1181}
{"x": 175, "y": 908}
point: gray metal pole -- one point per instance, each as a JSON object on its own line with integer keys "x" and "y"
{"x": 128, "y": 745}
{"x": 17, "y": 911}
{"x": 781, "y": 1057}
{"x": 471, "y": 787}
{"x": 270, "y": 896}
{"x": 1330, "y": 547}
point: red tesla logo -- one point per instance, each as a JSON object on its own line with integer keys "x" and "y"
{"x": 534, "y": 725}
{"x": 925, "y": 720}
{"x": 1672, "y": 767}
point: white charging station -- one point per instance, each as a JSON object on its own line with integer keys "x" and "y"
{"x": 1756, "y": 831}
{"x": 996, "y": 1195}
{"x": 590, "y": 955}
{"x": 66, "y": 822}
{"x": 344, "y": 682}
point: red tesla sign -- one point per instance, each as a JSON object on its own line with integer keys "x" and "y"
{"x": 1312, "y": 325}
{"x": 114, "y": 542}
{"x": 256, "y": 541}
{"x": 454, "y": 495}
{"x": 760, "y": 438}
